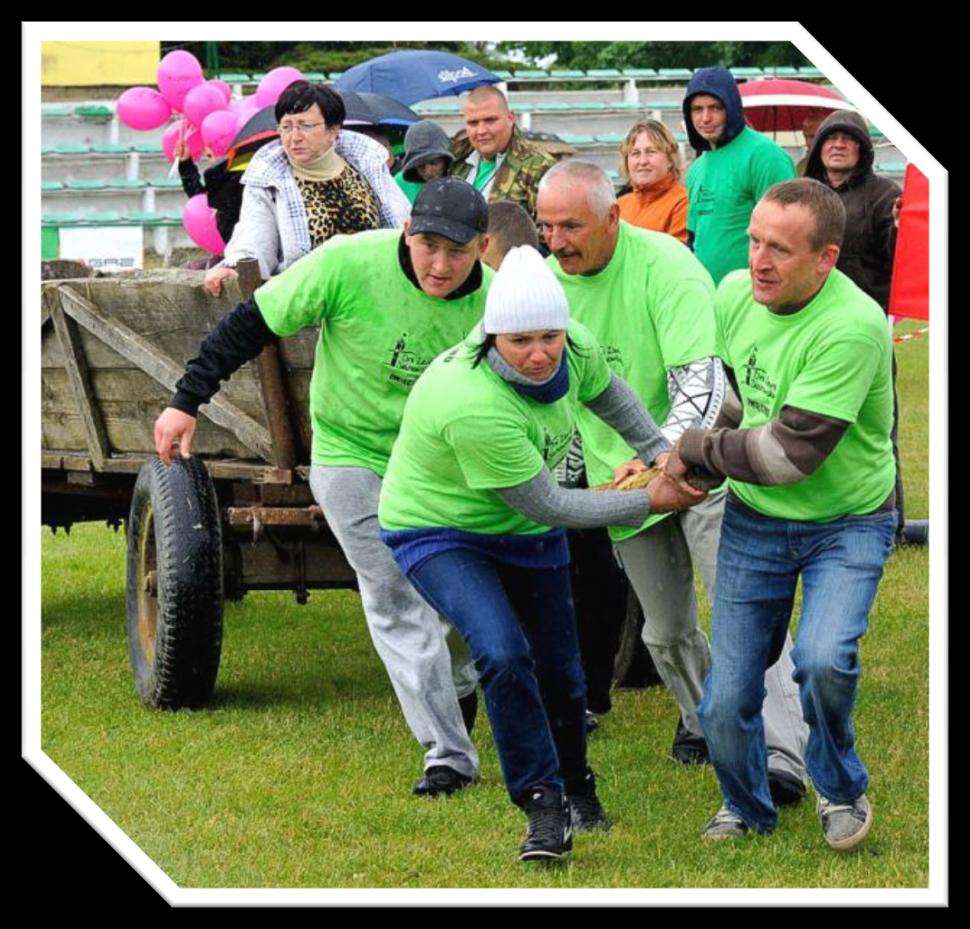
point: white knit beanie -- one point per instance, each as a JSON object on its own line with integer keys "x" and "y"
{"x": 524, "y": 296}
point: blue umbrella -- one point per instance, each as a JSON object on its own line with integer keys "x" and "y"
{"x": 410, "y": 75}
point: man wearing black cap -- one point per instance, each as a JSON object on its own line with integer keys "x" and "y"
{"x": 388, "y": 304}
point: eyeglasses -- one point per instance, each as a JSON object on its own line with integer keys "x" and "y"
{"x": 302, "y": 128}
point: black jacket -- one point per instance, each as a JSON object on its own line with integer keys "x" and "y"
{"x": 870, "y": 234}
{"x": 222, "y": 189}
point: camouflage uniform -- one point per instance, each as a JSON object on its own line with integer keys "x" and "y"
{"x": 519, "y": 174}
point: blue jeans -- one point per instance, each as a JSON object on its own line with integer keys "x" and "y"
{"x": 520, "y": 627}
{"x": 759, "y": 563}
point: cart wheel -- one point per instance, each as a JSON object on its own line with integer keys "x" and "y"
{"x": 174, "y": 584}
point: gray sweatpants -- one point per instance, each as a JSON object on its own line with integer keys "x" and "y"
{"x": 407, "y": 633}
{"x": 659, "y": 563}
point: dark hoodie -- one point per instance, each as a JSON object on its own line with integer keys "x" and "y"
{"x": 720, "y": 83}
{"x": 725, "y": 183}
{"x": 870, "y": 234}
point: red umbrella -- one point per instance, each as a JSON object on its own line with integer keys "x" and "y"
{"x": 779, "y": 105}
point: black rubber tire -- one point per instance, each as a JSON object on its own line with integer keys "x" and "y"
{"x": 175, "y": 613}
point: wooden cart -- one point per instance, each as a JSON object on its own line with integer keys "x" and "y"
{"x": 237, "y": 516}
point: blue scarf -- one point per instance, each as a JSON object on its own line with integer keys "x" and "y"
{"x": 554, "y": 388}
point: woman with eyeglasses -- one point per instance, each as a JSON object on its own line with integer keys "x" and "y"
{"x": 650, "y": 161}
{"x": 317, "y": 181}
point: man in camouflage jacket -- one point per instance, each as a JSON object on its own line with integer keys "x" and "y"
{"x": 492, "y": 154}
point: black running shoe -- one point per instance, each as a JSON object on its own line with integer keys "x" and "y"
{"x": 440, "y": 781}
{"x": 688, "y": 748}
{"x": 586, "y": 813}
{"x": 550, "y": 834}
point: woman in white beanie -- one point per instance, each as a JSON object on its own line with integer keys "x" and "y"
{"x": 468, "y": 505}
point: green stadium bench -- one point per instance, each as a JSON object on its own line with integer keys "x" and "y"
{"x": 335, "y": 75}
{"x": 72, "y": 148}
{"x": 685, "y": 73}
{"x": 610, "y": 138}
{"x": 51, "y": 185}
{"x": 533, "y": 74}
{"x": 124, "y": 183}
{"x": 504, "y": 75}
{"x": 566, "y": 74}
{"x": 781, "y": 70}
{"x": 234, "y": 78}
{"x": 591, "y": 105}
{"x": 551, "y": 105}
{"x": 145, "y": 218}
{"x": 102, "y": 217}
{"x": 81, "y": 184}
{"x": 256, "y": 78}
{"x": 572, "y": 138}
{"x": 148, "y": 148}
{"x": 875, "y": 133}
{"x": 680, "y": 137}
{"x": 60, "y": 219}
{"x": 891, "y": 167}
{"x": 810, "y": 72}
{"x": 94, "y": 111}
{"x": 603, "y": 73}
{"x": 111, "y": 148}
{"x": 316, "y": 77}
{"x": 56, "y": 109}
{"x": 747, "y": 72}
{"x": 644, "y": 73}
{"x": 166, "y": 183}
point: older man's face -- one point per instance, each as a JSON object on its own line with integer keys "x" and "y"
{"x": 489, "y": 127}
{"x": 582, "y": 242}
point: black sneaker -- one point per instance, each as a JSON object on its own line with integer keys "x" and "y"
{"x": 440, "y": 781}
{"x": 688, "y": 748}
{"x": 469, "y": 709}
{"x": 786, "y": 789}
{"x": 586, "y": 813}
{"x": 550, "y": 835}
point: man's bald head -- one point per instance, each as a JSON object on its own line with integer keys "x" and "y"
{"x": 583, "y": 176}
{"x": 485, "y": 94}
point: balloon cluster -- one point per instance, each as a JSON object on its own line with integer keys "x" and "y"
{"x": 209, "y": 120}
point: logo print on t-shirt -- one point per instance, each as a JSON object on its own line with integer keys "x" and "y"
{"x": 554, "y": 446}
{"x": 758, "y": 380}
{"x": 405, "y": 366}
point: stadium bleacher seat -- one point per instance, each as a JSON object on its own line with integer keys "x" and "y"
{"x": 84, "y": 184}
{"x": 111, "y": 148}
{"x": 94, "y": 111}
{"x": 72, "y": 148}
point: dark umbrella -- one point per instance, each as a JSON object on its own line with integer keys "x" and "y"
{"x": 410, "y": 75}
{"x": 259, "y": 129}
{"x": 370, "y": 109}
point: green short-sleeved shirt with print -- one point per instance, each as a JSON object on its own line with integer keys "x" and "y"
{"x": 651, "y": 308}
{"x": 378, "y": 332}
{"x": 466, "y": 432}
{"x": 723, "y": 186}
{"x": 833, "y": 357}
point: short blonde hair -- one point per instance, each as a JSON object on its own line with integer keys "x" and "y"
{"x": 661, "y": 136}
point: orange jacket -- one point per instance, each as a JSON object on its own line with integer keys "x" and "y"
{"x": 662, "y": 207}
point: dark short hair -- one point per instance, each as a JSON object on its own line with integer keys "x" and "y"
{"x": 510, "y": 226}
{"x": 822, "y": 202}
{"x": 301, "y": 95}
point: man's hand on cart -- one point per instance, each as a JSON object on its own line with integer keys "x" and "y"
{"x": 174, "y": 428}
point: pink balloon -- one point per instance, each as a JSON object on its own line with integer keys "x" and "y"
{"x": 143, "y": 108}
{"x": 191, "y": 135}
{"x": 224, "y": 87}
{"x": 200, "y": 101}
{"x": 218, "y": 130}
{"x": 199, "y": 220}
{"x": 271, "y": 86}
{"x": 178, "y": 73}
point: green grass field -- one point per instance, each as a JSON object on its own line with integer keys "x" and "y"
{"x": 299, "y": 773}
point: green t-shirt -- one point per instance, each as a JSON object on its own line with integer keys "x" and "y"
{"x": 411, "y": 188}
{"x": 651, "y": 308}
{"x": 723, "y": 186}
{"x": 378, "y": 332}
{"x": 466, "y": 432}
{"x": 833, "y": 357}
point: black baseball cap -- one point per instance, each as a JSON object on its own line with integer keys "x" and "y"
{"x": 450, "y": 207}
